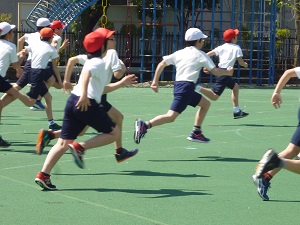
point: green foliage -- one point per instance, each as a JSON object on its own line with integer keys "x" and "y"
{"x": 4, "y": 17}
{"x": 109, "y": 25}
{"x": 245, "y": 34}
{"x": 283, "y": 33}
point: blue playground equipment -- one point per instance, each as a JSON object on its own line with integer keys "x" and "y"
{"x": 255, "y": 19}
{"x": 64, "y": 10}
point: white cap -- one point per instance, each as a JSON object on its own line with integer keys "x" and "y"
{"x": 43, "y": 22}
{"x": 194, "y": 34}
{"x": 5, "y": 28}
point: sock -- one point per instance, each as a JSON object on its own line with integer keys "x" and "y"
{"x": 267, "y": 177}
{"x": 198, "y": 88}
{"x": 119, "y": 150}
{"x": 52, "y": 135}
{"x": 236, "y": 109}
{"x": 148, "y": 124}
{"x": 197, "y": 129}
{"x": 51, "y": 122}
{"x": 46, "y": 174}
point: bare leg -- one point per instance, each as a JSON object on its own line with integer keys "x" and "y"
{"x": 48, "y": 99}
{"x": 209, "y": 93}
{"x": 118, "y": 118}
{"x": 235, "y": 95}
{"x": 55, "y": 154}
{"x": 290, "y": 152}
{"x": 202, "y": 111}
{"x": 101, "y": 139}
{"x": 169, "y": 117}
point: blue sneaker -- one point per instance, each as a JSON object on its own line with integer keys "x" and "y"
{"x": 140, "y": 130}
{"x": 262, "y": 187}
{"x": 38, "y": 106}
{"x": 125, "y": 154}
{"x": 198, "y": 138}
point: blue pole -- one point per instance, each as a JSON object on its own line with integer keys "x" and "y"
{"x": 153, "y": 39}
{"x": 143, "y": 42}
{"x": 175, "y": 42}
{"x": 212, "y": 36}
{"x": 163, "y": 35}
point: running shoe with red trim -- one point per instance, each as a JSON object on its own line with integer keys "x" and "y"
{"x": 44, "y": 181}
{"x": 77, "y": 152}
{"x": 198, "y": 138}
{"x": 44, "y": 138}
{"x": 125, "y": 154}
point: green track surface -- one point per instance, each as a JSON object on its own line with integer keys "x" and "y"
{"x": 170, "y": 181}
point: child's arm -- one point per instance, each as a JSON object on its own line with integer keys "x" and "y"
{"x": 220, "y": 72}
{"x": 242, "y": 62}
{"x": 67, "y": 86}
{"x": 120, "y": 73}
{"x": 56, "y": 71}
{"x": 211, "y": 53}
{"x": 276, "y": 98}
{"x": 160, "y": 67}
{"x": 127, "y": 80}
{"x": 84, "y": 102}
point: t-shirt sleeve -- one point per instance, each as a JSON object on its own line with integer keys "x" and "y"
{"x": 239, "y": 52}
{"x": 208, "y": 63}
{"x": 169, "y": 59}
{"x": 115, "y": 62}
{"x": 14, "y": 57}
{"x": 81, "y": 59}
{"x": 54, "y": 54}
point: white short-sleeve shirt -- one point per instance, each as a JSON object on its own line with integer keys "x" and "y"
{"x": 188, "y": 62}
{"x": 96, "y": 67}
{"x": 8, "y": 55}
{"x": 112, "y": 64}
{"x": 41, "y": 52}
{"x": 228, "y": 53}
{"x": 32, "y": 39}
{"x": 297, "y": 71}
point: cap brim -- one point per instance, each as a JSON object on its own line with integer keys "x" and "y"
{"x": 236, "y": 32}
{"x": 110, "y": 33}
{"x": 12, "y": 26}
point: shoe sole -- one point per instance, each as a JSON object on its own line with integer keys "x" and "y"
{"x": 43, "y": 185}
{"x": 199, "y": 141}
{"x": 136, "y": 135}
{"x": 257, "y": 186}
{"x": 239, "y": 117}
{"x": 127, "y": 157}
{"x": 262, "y": 163}
{"x": 38, "y": 148}
{"x": 78, "y": 162}
{"x": 32, "y": 108}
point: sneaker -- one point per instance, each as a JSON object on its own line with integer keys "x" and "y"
{"x": 198, "y": 138}
{"x": 262, "y": 187}
{"x": 39, "y": 105}
{"x": 268, "y": 162}
{"x": 77, "y": 154}
{"x": 44, "y": 138}
{"x": 44, "y": 181}
{"x": 125, "y": 154}
{"x": 33, "y": 108}
{"x": 54, "y": 127}
{"x": 4, "y": 143}
{"x": 140, "y": 130}
{"x": 240, "y": 114}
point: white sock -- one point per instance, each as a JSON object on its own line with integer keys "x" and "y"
{"x": 198, "y": 88}
{"x": 236, "y": 109}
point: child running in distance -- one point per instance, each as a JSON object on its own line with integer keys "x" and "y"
{"x": 228, "y": 54}
{"x": 188, "y": 62}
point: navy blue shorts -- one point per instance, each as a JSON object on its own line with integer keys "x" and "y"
{"x": 24, "y": 78}
{"x": 184, "y": 95}
{"x": 38, "y": 86}
{"x": 4, "y": 85}
{"x": 221, "y": 83}
{"x": 296, "y": 136}
{"x": 50, "y": 72}
{"x": 105, "y": 104}
{"x": 75, "y": 121}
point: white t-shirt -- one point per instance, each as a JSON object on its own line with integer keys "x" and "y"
{"x": 228, "y": 53}
{"x": 57, "y": 39}
{"x": 8, "y": 55}
{"x": 112, "y": 63}
{"x": 96, "y": 67}
{"x": 297, "y": 71}
{"x": 32, "y": 39}
{"x": 41, "y": 52}
{"x": 188, "y": 62}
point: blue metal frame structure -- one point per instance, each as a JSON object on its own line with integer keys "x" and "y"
{"x": 261, "y": 44}
{"x": 64, "y": 10}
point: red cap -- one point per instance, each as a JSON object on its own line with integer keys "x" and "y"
{"x": 46, "y": 32}
{"x": 57, "y": 24}
{"x": 229, "y": 34}
{"x": 106, "y": 32}
{"x": 93, "y": 41}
